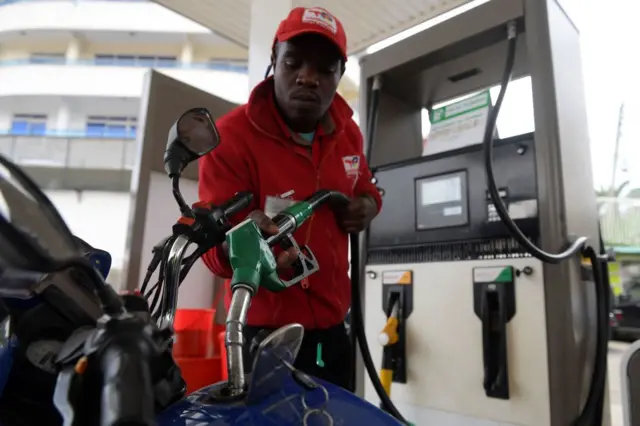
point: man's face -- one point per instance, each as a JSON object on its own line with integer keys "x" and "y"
{"x": 307, "y": 71}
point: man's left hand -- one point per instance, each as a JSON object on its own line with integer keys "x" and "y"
{"x": 358, "y": 214}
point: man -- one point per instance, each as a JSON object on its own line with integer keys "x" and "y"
{"x": 296, "y": 136}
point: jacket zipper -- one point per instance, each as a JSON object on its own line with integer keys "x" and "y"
{"x": 317, "y": 169}
{"x": 308, "y": 236}
{"x": 305, "y": 282}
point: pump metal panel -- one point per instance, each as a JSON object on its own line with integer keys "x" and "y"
{"x": 467, "y": 54}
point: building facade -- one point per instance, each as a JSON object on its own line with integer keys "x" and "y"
{"x": 71, "y": 78}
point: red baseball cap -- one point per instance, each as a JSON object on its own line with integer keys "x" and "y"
{"x": 313, "y": 20}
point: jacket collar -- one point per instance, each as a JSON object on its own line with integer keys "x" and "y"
{"x": 263, "y": 114}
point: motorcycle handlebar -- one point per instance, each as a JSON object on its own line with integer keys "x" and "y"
{"x": 172, "y": 276}
{"x": 173, "y": 265}
{"x": 237, "y": 203}
{"x": 126, "y": 386}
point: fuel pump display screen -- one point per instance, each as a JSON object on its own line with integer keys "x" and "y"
{"x": 441, "y": 201}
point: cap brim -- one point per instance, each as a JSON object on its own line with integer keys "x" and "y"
{"x": 292, "y": 34}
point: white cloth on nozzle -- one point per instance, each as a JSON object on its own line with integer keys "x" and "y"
{"x": 383, "y": 339}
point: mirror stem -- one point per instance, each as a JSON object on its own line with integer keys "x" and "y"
{"x": 184, "y": 208}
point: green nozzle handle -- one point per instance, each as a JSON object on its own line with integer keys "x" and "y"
{"x": 300, "y": 212}
{"x": 252, "y": 261}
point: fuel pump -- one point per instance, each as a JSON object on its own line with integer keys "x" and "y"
{"x": 511, "y": 310}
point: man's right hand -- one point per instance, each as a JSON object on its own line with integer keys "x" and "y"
{"x": 285, "y": 259}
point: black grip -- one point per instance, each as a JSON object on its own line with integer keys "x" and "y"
{"x": 237, "y": 203}
{"x": 127, "y": 393}
{"x": 489, "y": 375}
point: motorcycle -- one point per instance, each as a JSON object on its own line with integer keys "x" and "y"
{"x": 41, "y": 318}
{"x": 115, "y": 367}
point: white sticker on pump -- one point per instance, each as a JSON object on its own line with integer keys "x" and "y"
{"x": 488, "y": 274}
{"x": 397, "y": 277}
{"x": 452, "y": 211}
{"x": 523, "y": 209}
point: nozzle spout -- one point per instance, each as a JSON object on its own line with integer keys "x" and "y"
{"x": 234, "y": 338}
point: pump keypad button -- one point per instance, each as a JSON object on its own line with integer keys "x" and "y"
{"x": 492, "y": 214}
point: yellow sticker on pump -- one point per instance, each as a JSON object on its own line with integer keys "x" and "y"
{"x": 397, "y": 277}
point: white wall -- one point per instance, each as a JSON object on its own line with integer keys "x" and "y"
{"x": 104, "y": 81}
{"x": 100, "y": 218}
{"x": 30, "y": 105}
{"x": 66, "y": 113}
{"x": 84, "y": 45}
{"x": 162, "y": 212}
{"x": 95, "y": 15}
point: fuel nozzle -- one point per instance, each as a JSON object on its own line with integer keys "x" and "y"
{"x": 388, "y": 338}
{"x": 389, "y": 334}
{"x": 295, "y": 215}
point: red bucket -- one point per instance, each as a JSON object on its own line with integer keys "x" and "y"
{"x": 199, "y": 372}
{"x": 194, "y": 334}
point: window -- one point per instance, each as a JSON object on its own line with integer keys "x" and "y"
{"x": 137, "y": 60}
{"x": 46, "y": 58}
{"x": 111, "y": 127}
{"x": 231, "y": 65}
{"x": 29, "y": 124}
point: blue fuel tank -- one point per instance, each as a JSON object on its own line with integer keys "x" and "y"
{"x": 292, "y": 405}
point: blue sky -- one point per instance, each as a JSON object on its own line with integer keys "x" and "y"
{"x": 610, "y": 59}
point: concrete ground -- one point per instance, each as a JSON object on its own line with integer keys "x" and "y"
{"x": 616, "y": 349}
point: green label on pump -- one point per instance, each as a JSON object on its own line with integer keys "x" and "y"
{"x": 458, "y": 125}
{"x": 494, "y": 274}
{"x": 465, "y": 106}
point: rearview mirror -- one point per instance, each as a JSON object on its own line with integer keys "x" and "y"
{"x": 193, "y": 135}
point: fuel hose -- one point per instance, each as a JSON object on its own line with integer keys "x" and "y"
{"x": 357, "y": 324}
{"x": 357, "y": 319}
{"x": 592, "y": 411}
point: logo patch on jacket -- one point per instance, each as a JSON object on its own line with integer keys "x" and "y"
{"x": 352, "y": 167}
{"x": 319, "y": 16}
{"x": 351, "y": 164}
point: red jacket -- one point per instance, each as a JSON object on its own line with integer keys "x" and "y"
{"x": 257, "y": 153}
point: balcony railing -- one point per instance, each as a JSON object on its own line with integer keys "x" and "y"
{"x": 228, "y": 65}
{"x": 6, "y": 2}
{"x": 80, "y": 152}
{"x": 67, "y": 133}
